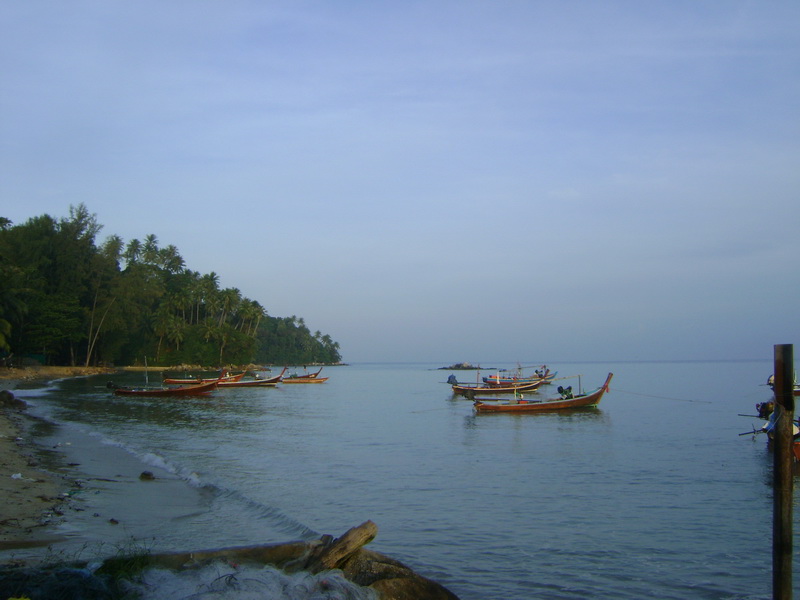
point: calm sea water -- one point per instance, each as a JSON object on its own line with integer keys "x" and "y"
{"x": 654, "y": 494}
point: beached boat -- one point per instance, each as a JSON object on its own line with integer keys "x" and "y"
{"x": 195, "y": 380}
{"x": 485, "y": 405}
{"x": 200, "y": 389}
{"x": 471, "y": 390}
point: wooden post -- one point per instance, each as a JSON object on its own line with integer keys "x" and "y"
{"x": 782, "y": 474}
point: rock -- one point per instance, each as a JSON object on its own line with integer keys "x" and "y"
{"x": 7, "y": 399}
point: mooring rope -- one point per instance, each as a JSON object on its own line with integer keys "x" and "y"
{"x": 616, "y": 389}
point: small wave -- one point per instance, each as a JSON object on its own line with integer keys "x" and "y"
{"x": 222, "y": 581}
{"x": 192, "y": 478}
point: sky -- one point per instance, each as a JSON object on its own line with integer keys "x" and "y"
{"x": 456, "y": 180}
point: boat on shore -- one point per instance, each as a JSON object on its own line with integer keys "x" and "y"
{"x": 200, "y": 389}
{"x": 564, "y": 402}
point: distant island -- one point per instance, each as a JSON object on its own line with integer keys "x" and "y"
{"x": 463, "y": 366}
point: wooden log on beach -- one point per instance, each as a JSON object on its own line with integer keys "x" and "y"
{"x": 279, "y": 555}
{"x": 334, "y": 554}
{"x": 390, "y": 578}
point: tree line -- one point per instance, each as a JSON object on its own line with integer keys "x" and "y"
{"x": 66, "y": 300}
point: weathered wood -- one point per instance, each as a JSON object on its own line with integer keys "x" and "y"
{"x": 330, "y": 557}
{"x": 278, "y": 555}
{"x": 390, "y": 578}
{"x": 783, "y": 484}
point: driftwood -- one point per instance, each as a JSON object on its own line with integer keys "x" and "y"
{"x": 391, "y": 579}
{"x": 331, "y": 556}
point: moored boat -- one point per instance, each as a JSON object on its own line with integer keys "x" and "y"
{"x": 301, "y": 379}
{"x": 305, "y": 378}
{"x": 191, "y": 381}
{"x": 542, "y": 374}
{"x": 200, "y": 389}
{"x": 484, "y": 405}
{"x": 270, "y": 381}
{"x": 471, "y": 390}
{"x": 771, "y": 384}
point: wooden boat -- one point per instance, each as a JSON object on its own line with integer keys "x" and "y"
{"x": 271, "y": 381}
{"x": 561, "y": 403}
{"x": 302, "y": 379}
{"x": 192, "y": 381}
{"x": 249, "y": 383}
{"x": 200, "y": 389}
{"x": 471, "y": 390}
{"x": 543, "y": 375}
{"x": 306, "y": 375}
{"x": 305, "y": 378}
{"x": 771, "y": 384}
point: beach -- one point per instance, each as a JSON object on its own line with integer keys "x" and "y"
{"x": 80, "y": 496}
{"x": 33, "y": 495}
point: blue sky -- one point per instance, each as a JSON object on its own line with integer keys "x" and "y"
{"x": 435, "y": 181}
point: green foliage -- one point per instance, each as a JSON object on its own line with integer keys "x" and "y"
{"x": 74, "y": 302}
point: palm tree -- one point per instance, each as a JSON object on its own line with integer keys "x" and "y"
{"x": 161, "y": 323}
{"x": 150, "y": 249}
{"x": 170, "y": 259}
{"x": 133, "y": 252}
{"x": 176, "y": 330}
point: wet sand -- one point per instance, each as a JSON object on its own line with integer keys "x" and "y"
{"x": 33, "y": 495}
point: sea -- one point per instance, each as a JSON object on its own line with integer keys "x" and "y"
{"x": 662, "y": 491}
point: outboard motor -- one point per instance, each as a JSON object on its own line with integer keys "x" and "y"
{"x": 566, "y": 393}
{"x": 452, "y": 380}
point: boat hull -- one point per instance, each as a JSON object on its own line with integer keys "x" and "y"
{"x": 520, "y": 406}
{"x": 190, "y": 381}
{"x": 305, "y": 380}
{"x": 469, "y": 391}
{"x": 201, "y": 389}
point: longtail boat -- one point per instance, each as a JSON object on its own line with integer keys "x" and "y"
{"x": 305, "y": 378}
{"x": 306, "y": 375}
{"x": 561, "y": 403}
{"x": 471, "y": 390}
{"x": 192, "y": 381}
{"x": 200, "y": 389}
{"x": 543, "y": 374}
{"x": 771, "y": 384}
{"x": 301, "y": 379}
{"x": 271, "y": 381}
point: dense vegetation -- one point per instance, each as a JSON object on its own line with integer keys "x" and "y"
{"x": 68, "y": 301}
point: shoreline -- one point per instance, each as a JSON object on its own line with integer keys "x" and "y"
{"x": 35, "y": 494}
{"x": 40, "y": 512}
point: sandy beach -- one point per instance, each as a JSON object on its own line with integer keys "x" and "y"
{"x": 32, "y": 495}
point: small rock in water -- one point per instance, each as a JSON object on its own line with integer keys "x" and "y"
{"x": 147, "y": 476}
